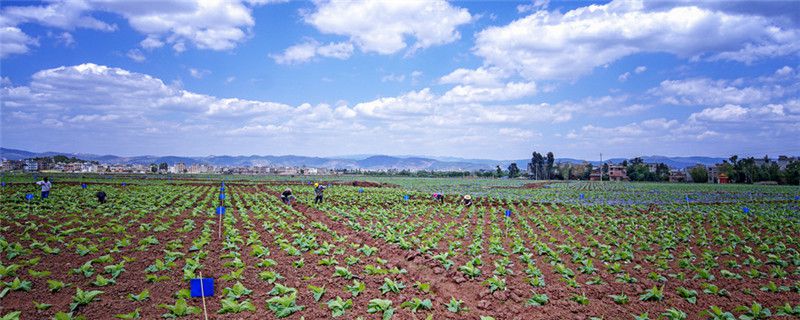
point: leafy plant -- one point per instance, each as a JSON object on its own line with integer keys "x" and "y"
{"x": 653, "y": 294}
{"x": 135, "y": 314}
{"x": 538, "y": 299}
{"x": 381, "y": 305}
{"x": 689, "y": 295}
{"x": 55, "y": 285}
{"x": 179, "y": 309}
{"x": 455, "y": 306}
{"x": 284, "y": 306}
{"x": 619, "y": 298}
{"x": 716, "y": 313}
{"x": 357, "y": 288}
{"x": 390, "y": 285}
{"x": 230, "y": 305}
{"x": 338, "y": 306}
{"x": 83, "y": 298}
{"x": 495, "y": 284}
{"x": 317, "y": 292}
{"x": 580, "y": 299}
{"x": 417, "y": 304}
{"x": 142, "y": 296}
{"x": 754, "y": 312}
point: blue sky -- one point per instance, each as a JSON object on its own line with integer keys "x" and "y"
{"x": 495, "y": 79}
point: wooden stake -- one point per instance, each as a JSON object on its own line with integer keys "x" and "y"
{"x": 203, "y": 295}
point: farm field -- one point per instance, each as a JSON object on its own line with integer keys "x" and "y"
{"x": 381, "y": 248}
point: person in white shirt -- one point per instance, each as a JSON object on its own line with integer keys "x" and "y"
{"x": 46, "y": 185}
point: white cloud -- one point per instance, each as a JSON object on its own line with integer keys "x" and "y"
{"x": 151, "y": 42}
{"x": 785, "y": 71}
{"x": 468, "y": 93}
{"x": 535, "y": 5}
{"x": 393, "y": 78}
{"x": 136, "y": 55}
{"x": 517, "y": 134}
{"x": 5, "y": 81}
{"x": 384, "y": 26}
{"x": 552, "y": 45}
{"x": 640, "y": 69}
{"x": 15, "y": 41}
{"x": 486, "y": 77}
{"x": 624, "y": 77}
{"x": 213, "y": 25}
{"x": 705, "y": 92}
{"x": 306, "y": 51}
{"x": 198, "y": 73}
{"x": 65, "y": 38}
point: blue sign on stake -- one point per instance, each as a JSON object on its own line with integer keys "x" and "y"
{"x": 207, "y": 289}
{"x": 360, "y": 190}
{"x": 29, "y": 196}
{"x": 83, "y": 186}
{"x": 581, "y": 196}
{"x": 222, "y": 189}
{"x": 508, "y": 212}
{"x": 220, "y": 210}
{"x": 3, "y": 183}
{"x": 745, "y": 209}
{"x": 687, "y": 198}
{"x": 797, "y": 197}
{"x": 222, "y": 196}
{"x": 124, "y": 184}
{"x": 405, "y": 197}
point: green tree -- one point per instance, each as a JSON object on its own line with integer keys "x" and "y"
{"x": 499, "y": 172}
{"x": 699, "y": 174}
{"x": 163, "y": 166}
{"x": 513, "y": 170}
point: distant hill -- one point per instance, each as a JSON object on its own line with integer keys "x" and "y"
{"x": 369, "y": 162}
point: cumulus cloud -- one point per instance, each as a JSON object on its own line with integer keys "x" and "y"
{"x": 136, "y": 55}
{"x": 15, "y": 41}
{"x": 385, "y": 26}
{"x": 705, "y": 92}
{"x": 552, "y": 45}
{"x": 306, "y": 51}
{"x": 212, "y": 25}
{"x": 486, "y": 77}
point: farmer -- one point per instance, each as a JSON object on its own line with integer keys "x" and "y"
{"x": 45, "y": 183}
{"x": 467, "y": 201}
{"x": 318, "y": 189}
{"x": 438, "y": 197}
{"x": 287, "y": 196}
{"x": 101, "y": 196}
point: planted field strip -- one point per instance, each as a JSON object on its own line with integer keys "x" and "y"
{"x": 373, "y": 254}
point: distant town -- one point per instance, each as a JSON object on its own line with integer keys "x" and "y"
{"x": 781, "y": 170}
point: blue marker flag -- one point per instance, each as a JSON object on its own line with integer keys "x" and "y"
{"x": 360, "y": 190}
{"x": 797, "y": 197}
{"x": 687, "y": 198}
{"x": 581, "y": 196}
{"x": 3, "y": 183}
{"x": 123, "y": 184}
{"x": 222, "y": 196}
{"x": 220, "y": 210}
{"x": 405, "y": 197}
{"x": 508, "y": 212}
{"x": 222, "y": 189}
{"x": 206, "y": 291}
{"x": 745, "y": 209}
{"x": 29, "y": 196}
{"x": 83, "y": 186}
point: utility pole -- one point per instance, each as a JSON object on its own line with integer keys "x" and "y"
{"x": 601, "y": 167}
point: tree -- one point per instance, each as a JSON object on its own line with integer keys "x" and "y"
{"x": 792, "y": 173}
{"x": 153, "y": 168}
{"x": 550, "y": 160}
{"x": 513, "y": 170}
{"x": 163, "y": 166}
{"x": 699, "y": 174}
{"x": 499, "y": 172}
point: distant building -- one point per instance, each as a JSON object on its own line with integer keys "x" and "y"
{"x": 31, "y": 165}
{"x": 179, "y": 167}
{"x": 677, "y": 176}
{"x": 618, "y": 173}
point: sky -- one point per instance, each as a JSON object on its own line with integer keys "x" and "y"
{"x": 489, "y": 80}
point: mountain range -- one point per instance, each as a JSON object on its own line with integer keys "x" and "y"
{"x": 369, "y": 162}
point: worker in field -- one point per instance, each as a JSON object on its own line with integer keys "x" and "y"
{"x": 46, "y": 185}
{"x": 318, "y": 190}
{"x": 467, "y": 201}
{"x": 287, "y": 196}
{"x": 438, "y": 197}
{"x": 101, "y": 196}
